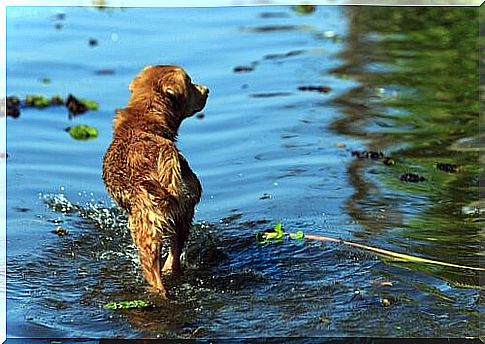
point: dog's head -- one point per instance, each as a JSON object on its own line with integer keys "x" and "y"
{"x": 172, "y": 85}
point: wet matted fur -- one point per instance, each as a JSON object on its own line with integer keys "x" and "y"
{"x": 145, "y": 173}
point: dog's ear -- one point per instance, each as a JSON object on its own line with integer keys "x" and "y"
{"x": 131, "y": 86}
{"x": 174, "y": 97}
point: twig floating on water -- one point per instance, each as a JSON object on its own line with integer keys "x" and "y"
{"x": 278, "y": 234}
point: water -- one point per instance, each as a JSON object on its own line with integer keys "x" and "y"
{"x": 264, "y": 152}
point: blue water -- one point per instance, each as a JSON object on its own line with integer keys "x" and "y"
{"x": 264, "y": 152}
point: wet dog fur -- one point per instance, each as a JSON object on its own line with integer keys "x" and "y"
{"x": 144, "y": 171}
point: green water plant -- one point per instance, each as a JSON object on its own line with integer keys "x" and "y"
{"x": 304, "y": 9}
{"x": 277, "y": 235}
{"x": 82, "y": 132}
{"x": 37, "y": 101}
{"x": 89, "y": 104}
{"x": 127, "y": 304}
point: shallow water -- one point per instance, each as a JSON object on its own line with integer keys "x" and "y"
{"x": 265, "y": 151}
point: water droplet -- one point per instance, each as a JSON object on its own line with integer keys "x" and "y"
{"x": 114, "y": 37}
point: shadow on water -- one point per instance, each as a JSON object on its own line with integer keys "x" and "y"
{"x": 417, "y": 100}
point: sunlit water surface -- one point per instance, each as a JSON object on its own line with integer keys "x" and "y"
{"x": 265, "y": 151}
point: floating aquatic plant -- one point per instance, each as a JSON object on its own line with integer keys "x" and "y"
{"x": 89, "y": 104}
{"x": 277, "y": 235}
{"x": 37, "y": 101}
{"x": 82, "y": 132}
{"x": 304, "y": 9}
{"x": 127, "y": 304}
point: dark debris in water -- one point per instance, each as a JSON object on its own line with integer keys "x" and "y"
{"x": 22, "y": 209}
{"x": 270, "y": 94}
{"x": 60, "y": 231}
{"x": 243, "y": 69}
{"x": 93, "y": 42}
{"x": 321, "y": 89}
{"x": 57, "y": 100}
{"x": 106, "y": 71}
{"x": 275, "y": 28}
{"x": 451, "y": 168}
{"x": 388, "y": 161}
{"x": 74, "y": 106}
{"x": 373, "y": 155}
{"x": 13, "y": 106}
{"x": 266, "y": 15}
{"x": 60, "y": 16}
{"x": 411, "y": 178}
{"x": 284, "y": 55}
{"x": 45, "y": 80}
{"x": 368, "y": 155}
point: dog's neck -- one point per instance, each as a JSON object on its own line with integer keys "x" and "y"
{"x": 156, "y": 116}
{"x": 160, "y": 129}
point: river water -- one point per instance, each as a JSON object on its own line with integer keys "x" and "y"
{"x": 266, "y": 150}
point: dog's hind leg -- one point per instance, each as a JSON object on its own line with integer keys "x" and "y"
{"x": 147, "y": 240}
{"x": 177, "y": 243}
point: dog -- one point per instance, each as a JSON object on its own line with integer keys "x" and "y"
{"x": 145, "y": 173}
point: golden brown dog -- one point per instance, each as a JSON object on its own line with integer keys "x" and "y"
{"x": 144, "y": 171}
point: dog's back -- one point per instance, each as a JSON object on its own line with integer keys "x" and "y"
{"x": 138, "y": 158}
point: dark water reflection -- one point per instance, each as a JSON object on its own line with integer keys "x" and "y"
{"x": 417, "y": 98}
